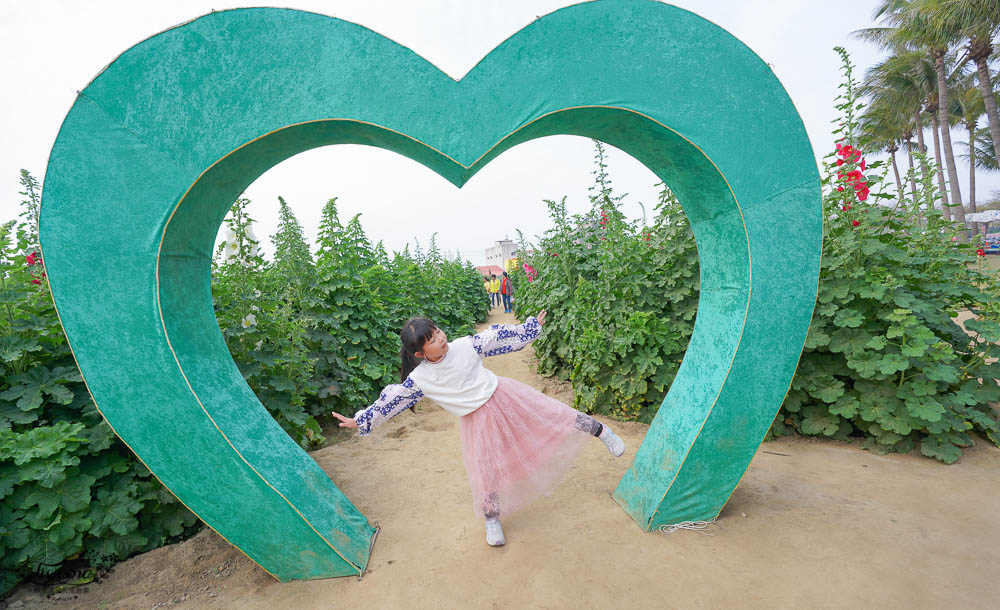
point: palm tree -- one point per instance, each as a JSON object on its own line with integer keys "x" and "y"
{"x": 882, "y": 125}
{"x": 910, "y": 26}
{"x": 982, "y": 155}
{"x": 970, "y": 106}
{"x": 977, "y": 23}
{"x": 907, "y": 80}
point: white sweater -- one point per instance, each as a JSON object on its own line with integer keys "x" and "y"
{"x": 459, "y": 382}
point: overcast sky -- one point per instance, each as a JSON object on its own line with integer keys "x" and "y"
{"x": 50, "y": 49}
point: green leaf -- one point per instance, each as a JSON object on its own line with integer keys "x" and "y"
{"x": 848, "y": 317}
{"x": 892, "y": 363}
{"x": 14, "y": 347}
{"x": 846, "y": 406}
{"x": 945, "y": 451}
{"x": 848, "y": 341}
{"x": 826, "y": 388}
{"x": 817, "y": 337}
{"x": 941, "y": 372}
{"x": 73, "y": 494}
{"x": 865, "y": 363}
{"x": 925, "y": 408}
{"x": 818, "y": 421}
{"x": 877, "y": 342}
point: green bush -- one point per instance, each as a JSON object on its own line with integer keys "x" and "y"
{"x": 883, "y": 359}
{"x": 69, "y": 488}
{"x": 309, "y": 337}
{"x": 621, "y": 295}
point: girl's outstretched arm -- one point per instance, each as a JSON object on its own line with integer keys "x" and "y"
{"x": 505, "y": 338}
{"x": 393, "y": 400}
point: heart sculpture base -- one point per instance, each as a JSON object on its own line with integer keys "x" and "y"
{"x": 159, "y": 145}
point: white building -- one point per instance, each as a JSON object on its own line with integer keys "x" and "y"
{"x": 500, "y": 253}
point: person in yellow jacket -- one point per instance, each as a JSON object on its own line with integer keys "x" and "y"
{"x": 486, "y": 287}
{"x": 494, "y": 290}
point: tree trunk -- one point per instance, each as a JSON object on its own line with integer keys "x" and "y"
{"x": 945, "y": 210}
{"x": 895, "y": 170}
{"x": 949, "y": 153}
{"x": 913, "y": 171}
{"x": 980, "y": 54}
{"x": 920, "y": 141}
{"x": 972, "y": 174}
{"x": 972, "y": 167}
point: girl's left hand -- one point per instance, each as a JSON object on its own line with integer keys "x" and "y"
{"x": 541, "y": 317}
{"x": 345, "y": 422}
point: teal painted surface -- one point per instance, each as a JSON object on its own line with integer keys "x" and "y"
{"x": 158, "y": 146}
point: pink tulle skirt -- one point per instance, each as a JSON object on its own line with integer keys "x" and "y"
{"x": 518, "y": 446}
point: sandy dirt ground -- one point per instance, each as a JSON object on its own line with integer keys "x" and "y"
{"x": 813, "y": 524}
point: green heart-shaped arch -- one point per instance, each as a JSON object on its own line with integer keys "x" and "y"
{"x": 157, "y": 147}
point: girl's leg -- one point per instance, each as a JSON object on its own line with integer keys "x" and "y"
{"x": 586, "y": 423}
{"x": 494, "y": 531}
{"x": 491, "y": 505}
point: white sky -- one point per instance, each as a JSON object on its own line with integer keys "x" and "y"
{"x": 52, "y": 48}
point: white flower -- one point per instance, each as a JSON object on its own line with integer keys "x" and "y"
{"x": 256, "y": 294}
{"x": 254, "y": 308}
{"x": 250, "y": 320}
{"x": 257, "y": 345}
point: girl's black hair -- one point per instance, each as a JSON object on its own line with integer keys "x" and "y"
{"x": 414, "y": 334}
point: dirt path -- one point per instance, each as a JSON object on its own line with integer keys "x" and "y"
{"x": 814, "y": 524}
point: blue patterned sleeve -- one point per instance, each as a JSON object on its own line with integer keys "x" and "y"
{"x": 505, "y": 338}
{"x": 393, "y": 400}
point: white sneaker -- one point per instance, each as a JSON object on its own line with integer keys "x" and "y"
{"x": 494, "y": 532}
{"x": 615, "y": 445}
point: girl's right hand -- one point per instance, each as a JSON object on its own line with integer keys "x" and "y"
{"x": 541, "y": 317}
{"x": 345, "y": 422}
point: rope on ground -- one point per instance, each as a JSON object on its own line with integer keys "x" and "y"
{"x": 694, "y": 526}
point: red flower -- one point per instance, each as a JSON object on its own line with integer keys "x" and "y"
{"x": 863, "y": 194}
{"x": 855, "y": 223}
{"x": 840, "y": 188}
{"x": 30, "y": 259}
{"x": 843, "y": 208}
{"x": 840, "y": 161}
{"x": 36, "y": 281}
{"x": 980, "y": 252}
{"x": 862, "y": 164}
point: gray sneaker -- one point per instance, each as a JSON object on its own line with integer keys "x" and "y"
{"x": 494, "y": 532}
{"x": 615, "y": 445}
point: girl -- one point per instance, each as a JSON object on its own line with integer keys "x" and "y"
{"x": 517, "y": 443}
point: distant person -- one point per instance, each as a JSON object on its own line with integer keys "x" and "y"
{"x": 506, "y": 292}
{"x": 486, "y": 287}
{"x": 517, "y": 443}
{"x": 494, "y": 289}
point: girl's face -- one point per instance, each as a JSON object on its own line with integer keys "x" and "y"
{"x": 435, "y": 348}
